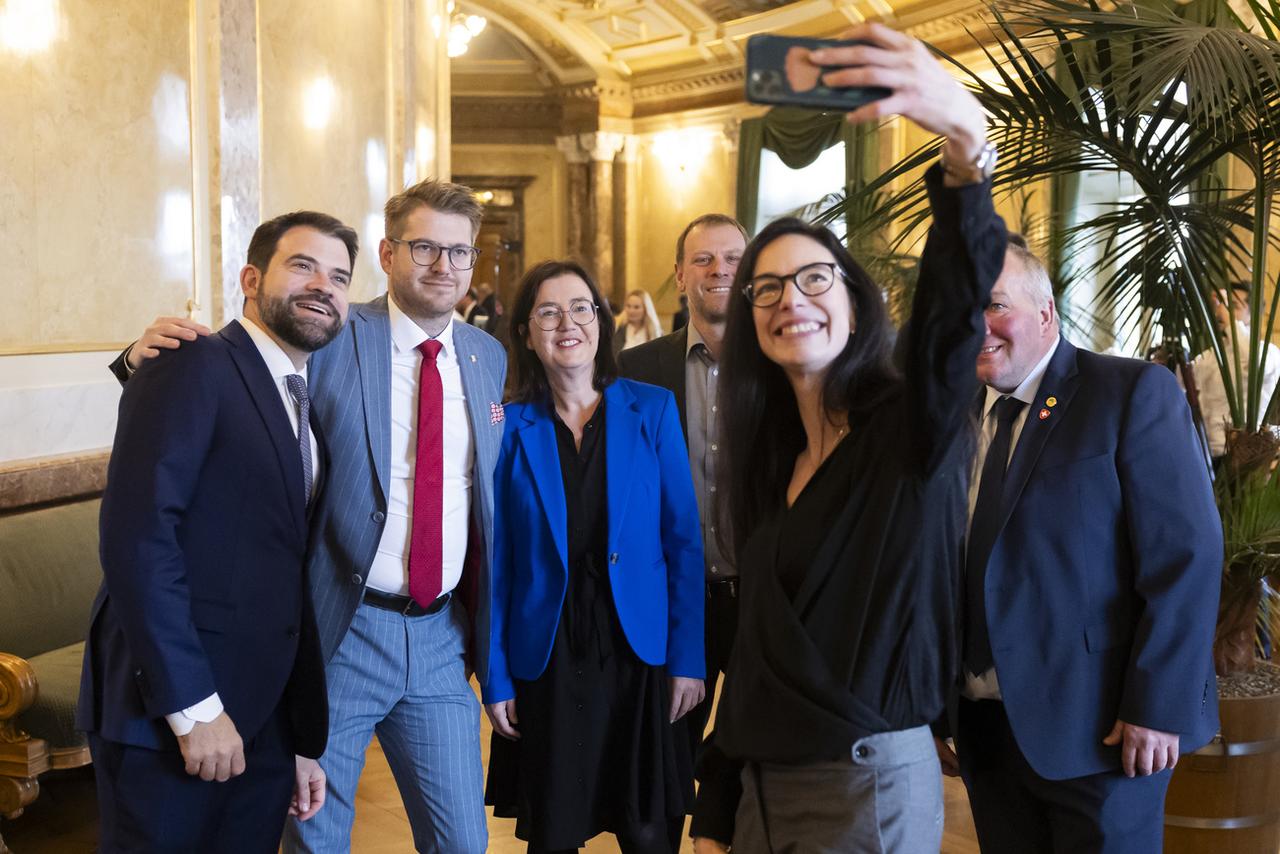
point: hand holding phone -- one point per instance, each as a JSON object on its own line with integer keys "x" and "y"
{"x": 780, "y": 70}
{"x": 871, "y": 73}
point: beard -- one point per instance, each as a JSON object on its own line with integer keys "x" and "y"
{"x": 301, "y": 328}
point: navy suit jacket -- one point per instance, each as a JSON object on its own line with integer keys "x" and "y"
{"x": 203, "y": 546}
{"x": 654, "y": 539}
{"x": 1102, "y": 587}
{"x": 351, "y": 399}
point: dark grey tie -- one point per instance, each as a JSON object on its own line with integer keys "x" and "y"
{"x": 298, "y": 388}
{"x": 988, "y": 513}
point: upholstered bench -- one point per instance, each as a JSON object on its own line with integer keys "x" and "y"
{"x": 49, "y": 573}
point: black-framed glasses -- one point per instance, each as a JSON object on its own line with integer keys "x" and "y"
{"x": 425, "y": 253}
{"x": 811, "y": 280}
{"x": 580, "y": 311}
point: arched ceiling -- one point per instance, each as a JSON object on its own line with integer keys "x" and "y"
{"x": 590, "y": 64}
{"x": 576, "y": 41}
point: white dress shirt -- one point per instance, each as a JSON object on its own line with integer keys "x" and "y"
{"x": 985, "y": 686}
{"x": 280, "y": 366}
{"x": 389, "y": 572}
{"x": 1214, "y": 408}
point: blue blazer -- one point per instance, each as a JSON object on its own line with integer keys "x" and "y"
{"x": 351, "y": 401}
{"x": 203, "y": 544}
{"x": 654, "y": 541}
{"x": 1102, "y": 587}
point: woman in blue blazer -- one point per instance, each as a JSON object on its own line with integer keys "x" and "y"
{"x": 596, "y": 639}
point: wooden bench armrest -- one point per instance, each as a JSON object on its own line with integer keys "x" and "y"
{"x": 22, "y": 758}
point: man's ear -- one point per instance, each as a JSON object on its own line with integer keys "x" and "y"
{"x": 1049, "y": 317}
{"x": 250, "y": 281}
{"x": 680, "y": 279}
{"x": 385, "y": 248}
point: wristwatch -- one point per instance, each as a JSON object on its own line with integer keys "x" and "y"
{"x": 978, "y": 169}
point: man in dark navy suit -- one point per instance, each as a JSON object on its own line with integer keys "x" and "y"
{"x": 203, "y": 689}
{"x": 1092, "y": 569}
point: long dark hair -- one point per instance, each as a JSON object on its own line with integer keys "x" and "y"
{"x": 528, "y": 377}
{"x": 762, "y": 430}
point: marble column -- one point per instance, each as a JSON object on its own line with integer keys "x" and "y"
{"x": 578, "y": 186}
{"x": 232, "y": 147}
{"x": 602, "y": 148}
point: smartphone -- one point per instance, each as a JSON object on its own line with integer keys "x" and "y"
{"x": 779, "y": 72}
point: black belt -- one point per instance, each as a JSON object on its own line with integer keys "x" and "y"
{"x": 722, "y": 588}
{"x": 406, "y": 605}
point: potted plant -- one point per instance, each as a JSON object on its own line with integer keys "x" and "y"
{"x": 1181, "y": 100}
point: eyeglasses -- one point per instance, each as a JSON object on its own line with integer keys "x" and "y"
{"x": 547, "y": 317}
{"x": 425, "y": 253}
{"x": 811, "y": 280}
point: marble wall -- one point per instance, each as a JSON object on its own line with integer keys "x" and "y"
{"x": 142, "y": 142}
{"x": 681, "y": 167}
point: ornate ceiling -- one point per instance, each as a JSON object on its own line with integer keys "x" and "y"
{"x": 640, "y": 57}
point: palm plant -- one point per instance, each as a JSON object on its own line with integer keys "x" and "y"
{"x": 1163, "y": 95}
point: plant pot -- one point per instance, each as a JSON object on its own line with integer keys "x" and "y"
{"x": 1225, "y": 797}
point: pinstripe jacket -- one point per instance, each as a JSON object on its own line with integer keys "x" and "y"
{"x": 351, "y": 396}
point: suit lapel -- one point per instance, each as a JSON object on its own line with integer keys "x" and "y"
{"x": 475, "y": 385}
{"x": 538, "y": 443}
{"x": 371, "y": 332}
{"x": 1060, "y": 382}
{"x": 266, "y": 399}
{"x": 622, "y": 430}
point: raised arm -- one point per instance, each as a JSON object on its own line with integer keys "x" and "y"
{"x": 965, "y": 248}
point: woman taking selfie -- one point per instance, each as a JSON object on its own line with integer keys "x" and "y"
{"x": 597, "y": 646}
{"x": 847, "y": 495}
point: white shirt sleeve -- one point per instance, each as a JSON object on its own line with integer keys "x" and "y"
{"x": 202, "y": 712}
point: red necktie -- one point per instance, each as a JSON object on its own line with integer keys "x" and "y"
{"x": 425, "y": 543}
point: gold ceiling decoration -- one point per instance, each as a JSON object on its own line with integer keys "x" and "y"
{"x": 681, "y": 45}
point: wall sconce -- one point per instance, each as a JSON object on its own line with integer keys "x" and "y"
{"x": 683, "y": 150}
{"x": 462, "y": 29}
{"x": 29, "y": 26}
{"x": 317, "y": 103}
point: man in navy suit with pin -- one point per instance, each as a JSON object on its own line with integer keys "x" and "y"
{"x": 203, "y": 685}
{"x": 1092, "y": 569}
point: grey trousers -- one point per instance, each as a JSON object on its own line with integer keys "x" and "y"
{"x": 886, "y": 798}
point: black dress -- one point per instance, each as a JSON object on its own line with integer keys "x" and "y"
{"x": 850, "y": 598}
{"x": 596, "y": 752}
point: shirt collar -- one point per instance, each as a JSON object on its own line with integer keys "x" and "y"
{"x": 406, "y": 335}
{"x": 1029, "y": 387}
{"x": 278, "y": 362}
{"x": 696, "y": 340}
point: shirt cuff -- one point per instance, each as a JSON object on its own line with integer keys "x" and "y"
{"x": 202, "y": 712}
{"x": 130, "y": 370}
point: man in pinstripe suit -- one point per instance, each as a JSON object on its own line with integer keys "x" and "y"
{"x": 397, "y": 666}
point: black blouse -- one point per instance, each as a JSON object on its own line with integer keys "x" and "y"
{"x": 850, "y": 598}
{"x": 582, "y": 468}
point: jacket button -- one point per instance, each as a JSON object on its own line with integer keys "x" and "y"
{"x": 355, "y": 578}
{"x": 378, "y": 516}
{"x": 613, "y": 558}
{"x": 862, "y": 751}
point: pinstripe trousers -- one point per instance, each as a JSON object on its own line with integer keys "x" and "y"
{"x": 403, "y": 678}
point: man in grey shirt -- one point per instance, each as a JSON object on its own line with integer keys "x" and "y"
{"x": 686, "y": 362}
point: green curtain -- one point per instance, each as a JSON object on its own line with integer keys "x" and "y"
{"x": 750, "y": 143}
{"x": 798, "y": 137}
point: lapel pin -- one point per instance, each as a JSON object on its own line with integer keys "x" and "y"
{"x": 1044, "y": 413}
{"x": 1051, "y": 402}
{"x": 473, "y": 358}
